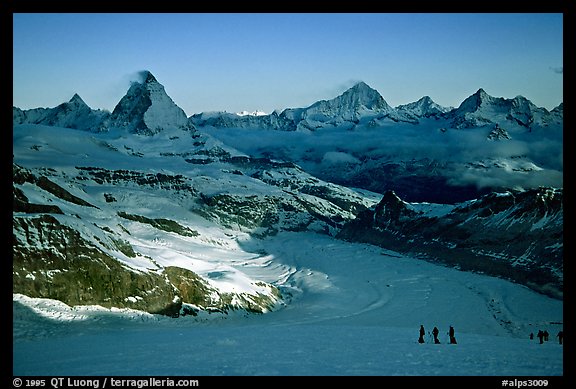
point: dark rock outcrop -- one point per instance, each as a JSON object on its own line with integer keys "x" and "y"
{"x": 517, "y": 235}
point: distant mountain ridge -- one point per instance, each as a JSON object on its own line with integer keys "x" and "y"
{"x": 362, "y": 103}
{"x": 74, "y": 114}
{"x": 480, "y": 109}
{"x": 147, "y": 109}
{"x": 391, "y": 161}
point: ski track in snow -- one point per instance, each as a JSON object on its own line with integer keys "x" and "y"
{"x": 355, "y": 311}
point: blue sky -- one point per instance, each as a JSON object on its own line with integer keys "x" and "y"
{"x": 243, "y": 61}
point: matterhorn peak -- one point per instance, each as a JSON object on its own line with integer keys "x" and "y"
{"x": 146, "y": 108}
{"x": 146, "y": 77}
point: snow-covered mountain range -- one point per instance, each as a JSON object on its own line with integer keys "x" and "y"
{"x": 147, "y": 209}
{"x": 421, "y": 150}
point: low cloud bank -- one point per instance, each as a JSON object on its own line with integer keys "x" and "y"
{"x": 528, "y": 160}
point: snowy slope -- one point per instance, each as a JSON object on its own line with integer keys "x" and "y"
{"x": 425, "y": 107}
{"x": 156, "y": 205}
{"x": 356, "y": 311}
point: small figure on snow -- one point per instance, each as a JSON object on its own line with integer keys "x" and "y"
{"x": 560, "y": 336}
{"x": 546, "y": 335}
{"x": 451, "y": 335}
{"x": 435, "y": 333}
{"x": 531, "y": 335}
{"x": 422, "y": 333}
{"x": 540, "y": 336}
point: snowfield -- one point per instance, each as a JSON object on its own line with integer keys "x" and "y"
{"x": 355, "y": 310}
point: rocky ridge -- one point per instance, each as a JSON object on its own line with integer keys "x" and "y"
{"x": 516, "y": 235}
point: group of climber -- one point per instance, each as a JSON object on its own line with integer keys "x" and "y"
{"x": 435, "y": 333}
{"x": 544, "y": 335}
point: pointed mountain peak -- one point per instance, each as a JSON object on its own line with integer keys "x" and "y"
{"x": 360, "y": 86}
{"x": 425, "y": 100}
{"x": 481, "y": 109}
{"x": 481, "y": 92}
{"x": 391, "y": 209}
{"x": 147, "y": 77}
{"x": 362, "y": 95}
{"x": 144, "y": 78}
{"x": 76, "y": 100}
{"x": 350, "y": 106}
{"x": 390, "y": 197}
{"x": 146, "y": 109}
{"x": 482, "y": 96}
{"x": 424, "y": 107}
{"x": 474, "y": 102}
{"x": 559, "y": 108}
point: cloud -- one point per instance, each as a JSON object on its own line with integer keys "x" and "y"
{"x": 339, "y": 158}
{"x": 342, "y": 87}
{"x": 466, "y": 157}
{"x": 503, "y": 178}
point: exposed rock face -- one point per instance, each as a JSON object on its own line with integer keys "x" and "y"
{"x": 56, "y": 256}
{"x": 349, "y": 106}
{"x": 146, "y": 109}
{"x": 388, "y": 163}
{"x": 515, "y": 235}
{"x": 421, "y": 150}
{"x": 51, "y": 260}
{"x": 54, "y": 261}
{"x": 358, "y": 103}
